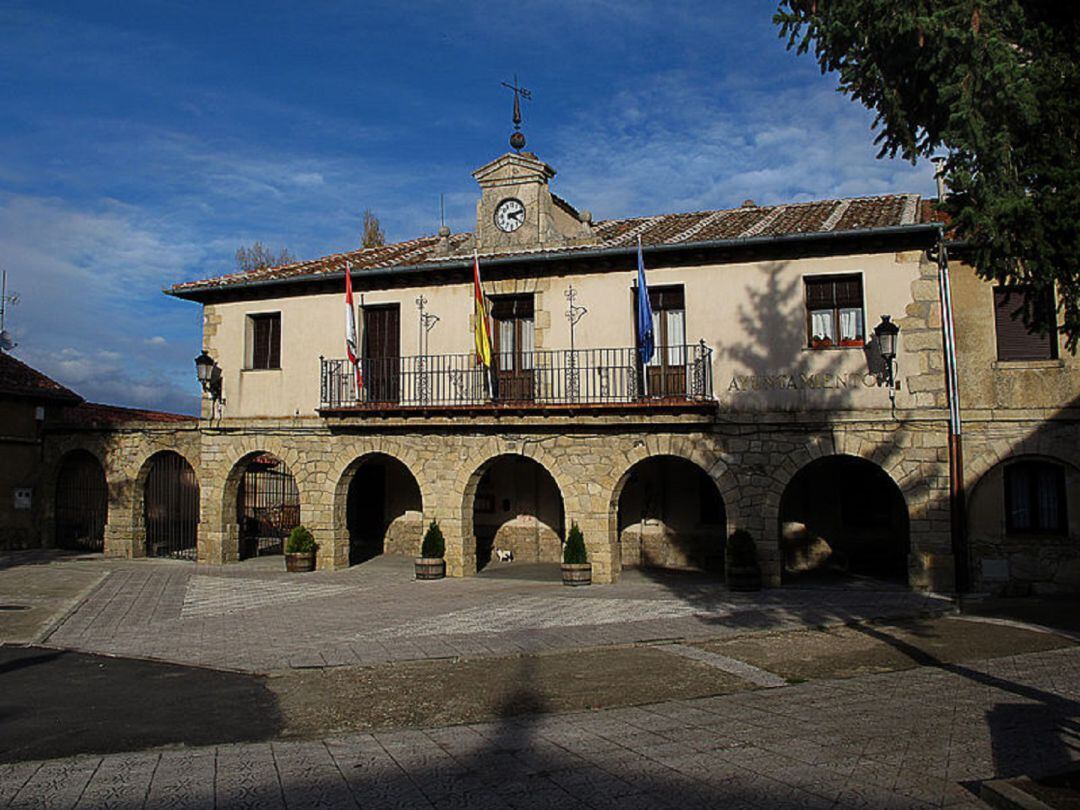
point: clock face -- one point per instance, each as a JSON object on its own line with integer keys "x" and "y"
{"x": 509, "y": 215}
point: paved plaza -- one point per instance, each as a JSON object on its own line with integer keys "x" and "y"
{"x": 919, "y": 738}
{"x": 256, "y": 618}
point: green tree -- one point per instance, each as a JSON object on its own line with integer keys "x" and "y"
{"x": 373, "y": 232}
{"x": 258, "y": 257}
{"x": 995, "y": 84}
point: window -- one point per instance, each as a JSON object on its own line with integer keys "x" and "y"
{"x": 666, "y": 371}
{"x": 1035, "y": 498}
{"x": 515, "y": 334}
{"x": 834, "y": 312}
{"x": 263, "y": 341}
{"x": 1014, "y": 340}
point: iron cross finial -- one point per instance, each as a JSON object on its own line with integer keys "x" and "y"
{"x": 517, "y": 139}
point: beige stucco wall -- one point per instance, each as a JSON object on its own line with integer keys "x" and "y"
{"x": 752, "y": 316}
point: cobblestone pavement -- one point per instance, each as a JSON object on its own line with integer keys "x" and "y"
{"x": 256, "y": 618}
{"x": 912, "y": 739}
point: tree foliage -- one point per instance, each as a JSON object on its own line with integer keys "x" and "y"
{"x": 258, "y": 256}
{"x": 995, "y": 83}
{"x": 373, "y": 232}
{"x": 433, "y": 545}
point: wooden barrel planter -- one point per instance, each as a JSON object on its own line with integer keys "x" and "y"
{"x": 430, "y": 568}
{"x": 577, "y": 573}
{"x": 296, "y": 563}
{"x": 743, "y": 578}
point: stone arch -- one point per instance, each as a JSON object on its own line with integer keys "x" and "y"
{"x": 682, "y": 515}
{"x": 81, "y": 501}
{"x": 167, "y": 507}
{"x": 696, "y": 450}
{"x": 535, "y": 535}
{"x": 843, "y": 511}
{"x": 260, "y": 504}
{"x": 378, "y": 507}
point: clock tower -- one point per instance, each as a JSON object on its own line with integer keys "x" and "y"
{"x": 518, "y": 211}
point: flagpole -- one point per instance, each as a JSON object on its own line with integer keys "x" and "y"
{"x": 642, "y": 290}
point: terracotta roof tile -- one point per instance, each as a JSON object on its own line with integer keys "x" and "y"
{"x": 93, "y": 414}
{"x": 854, "y": 214}
{"x": 19, "y": 380}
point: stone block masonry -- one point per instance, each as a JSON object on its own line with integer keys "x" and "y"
{"x": 589, "y": 459}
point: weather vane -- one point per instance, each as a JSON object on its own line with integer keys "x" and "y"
{"x": 517, "y": 139}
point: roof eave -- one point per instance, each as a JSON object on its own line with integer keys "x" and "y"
{"x": 932, "y": 229}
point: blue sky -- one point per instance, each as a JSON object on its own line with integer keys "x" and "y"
{"x": 143, "y": 142}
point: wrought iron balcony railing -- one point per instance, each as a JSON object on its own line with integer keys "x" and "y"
{"x": 539, "y": 378}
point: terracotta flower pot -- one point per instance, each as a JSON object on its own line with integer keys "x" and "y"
{"x": 577, "y": 573}
{"x": 300, "y": 562}
{"x": 430, "y": 568}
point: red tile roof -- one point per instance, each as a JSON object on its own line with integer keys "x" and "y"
{"x": 19, "y": 380}
{"x": 93, "y": 414}
{"x": 827, "y": 216}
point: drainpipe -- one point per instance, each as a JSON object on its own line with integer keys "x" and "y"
{"x": 957, "y": 507}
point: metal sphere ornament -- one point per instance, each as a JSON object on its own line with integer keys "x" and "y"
{"x": 517, "y": 141}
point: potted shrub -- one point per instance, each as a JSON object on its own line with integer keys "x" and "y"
{"x": 300, "y": 550}
{"x": 740, "y": 562}
{"x": 576, "y": 569}
{"x": 430, "y": 564}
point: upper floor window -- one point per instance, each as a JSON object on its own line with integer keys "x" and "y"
{"x": 263, "y": 344}
{"x": 1035, "y": 498}
{"x": 834, "y": 311}
{"x": 1015, "y": 341}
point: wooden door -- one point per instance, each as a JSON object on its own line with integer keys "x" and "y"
{"x": 382, "y": 353}
{"x": 667, "y": 369}
{"x": 514, "y": 350}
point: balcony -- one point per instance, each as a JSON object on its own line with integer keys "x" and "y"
{"x": 678, "y": 378}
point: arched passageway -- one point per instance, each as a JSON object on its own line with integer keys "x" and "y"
{"x": 171, "y": 507}
{"x": 82, "y": 502}
{"x": 671, "y": 515}
{"x": 267, "y": 505}
{"x": 518, "y": 508}
{"x": 383, "y": 508}
{"x": 843, "y": 514}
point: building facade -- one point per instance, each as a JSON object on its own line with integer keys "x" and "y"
{"x": 767, "y": 405}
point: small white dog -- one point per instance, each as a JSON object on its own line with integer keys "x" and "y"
{"x": 503, "y": 554}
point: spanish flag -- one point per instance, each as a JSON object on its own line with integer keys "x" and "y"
{"x": 480, "y": 318}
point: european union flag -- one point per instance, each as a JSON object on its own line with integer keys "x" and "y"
{"x": 645, "y": 343}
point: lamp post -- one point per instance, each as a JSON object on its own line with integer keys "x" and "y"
{"x": 886, "y": 333}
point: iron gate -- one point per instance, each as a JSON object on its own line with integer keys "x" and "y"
{"x": 171, "y": 507}
{"x": 267, "y": 506}
{"x": 82, "y": 503}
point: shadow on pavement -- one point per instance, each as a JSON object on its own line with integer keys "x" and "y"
{"x": 57, "y": 704}
{"x": 1016, "y": 752}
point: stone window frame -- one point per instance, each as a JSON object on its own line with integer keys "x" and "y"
{"x": 1035, "y": 470}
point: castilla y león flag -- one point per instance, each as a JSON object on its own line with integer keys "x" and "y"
{"x": 480, "y": 321}
{"x": 351, "y": 345}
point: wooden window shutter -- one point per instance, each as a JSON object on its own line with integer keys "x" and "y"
{"x": 819, "y": 293}
{"x": 1014, "y": 340}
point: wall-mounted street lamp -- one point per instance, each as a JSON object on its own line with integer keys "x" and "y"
{"x": 886, "y": 333}
{"x": 209, "y": 375}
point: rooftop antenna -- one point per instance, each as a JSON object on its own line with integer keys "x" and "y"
{"x": 7, "y": 343}
{"x": 517, "y": 138}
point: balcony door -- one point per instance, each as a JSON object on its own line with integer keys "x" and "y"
{"x": 667, "y": 369}
{"x": 382, "y": 353}
{"x": 514, "y": 332}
